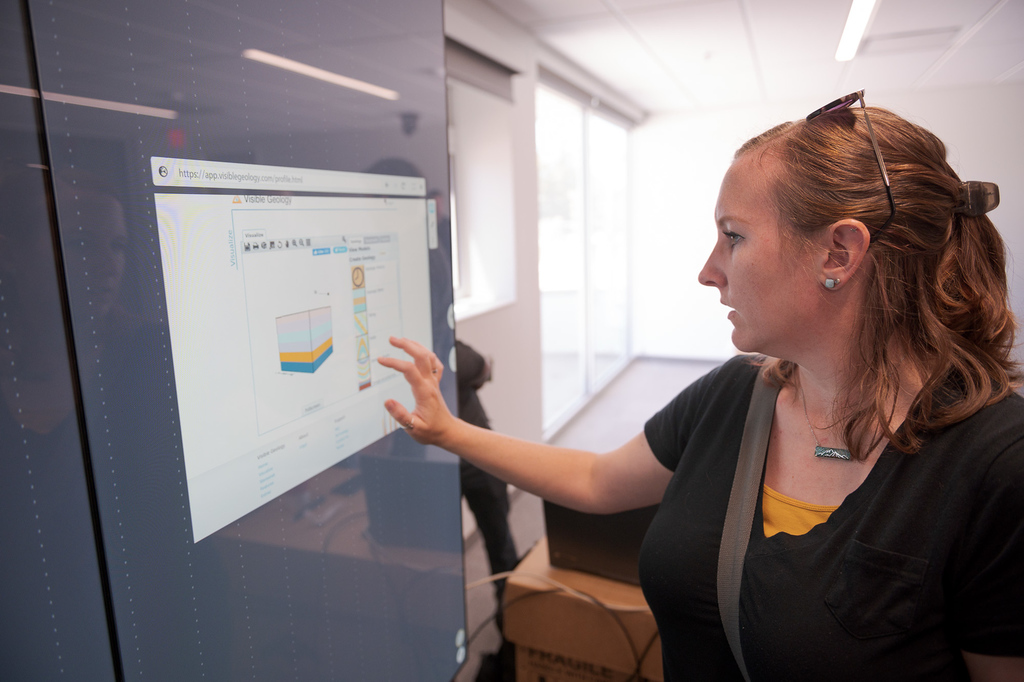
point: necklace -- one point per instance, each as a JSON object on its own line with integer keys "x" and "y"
{"x": 819, "y": 449}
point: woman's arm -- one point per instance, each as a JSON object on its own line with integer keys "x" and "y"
{"x": 625, "y": 478}
{"x": 994, "y": 668}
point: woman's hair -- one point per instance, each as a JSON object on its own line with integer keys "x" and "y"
{"x": 936, "y": 291}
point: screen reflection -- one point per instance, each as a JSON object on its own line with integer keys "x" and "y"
{"x": 52, "y": 615}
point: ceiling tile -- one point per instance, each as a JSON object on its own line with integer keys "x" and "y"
{"x": 975, "y": 65}
{"x": 815, "y": 80}
{"x": 608, "y": 49}
{"x": 791, "y": 31}
{"x": 901, "y": 16}
{"x": 1005, "y": 28}
{"x": 887, "y": 73}
{"x": 705, "y": 47}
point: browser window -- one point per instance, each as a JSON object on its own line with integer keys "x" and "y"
{"x": 296, "y": 297}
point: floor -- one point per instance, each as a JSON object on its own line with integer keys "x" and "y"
{"x": 563, "y": 378}
{"x": 614, "y": 416}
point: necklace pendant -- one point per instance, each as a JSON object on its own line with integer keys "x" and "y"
{"x": 832, "y": 453}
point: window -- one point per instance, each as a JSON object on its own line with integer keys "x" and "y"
{"x": 483, "y": 211}
{"x": 582, "y": 159}
{"x": 480, "y": 156}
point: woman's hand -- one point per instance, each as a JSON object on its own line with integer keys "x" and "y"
{"x": 430, "y": 419}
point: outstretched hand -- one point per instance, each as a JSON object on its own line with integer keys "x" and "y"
{"x": 430, "y": 418}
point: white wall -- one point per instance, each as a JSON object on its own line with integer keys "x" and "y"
{"x": 480, "y": 140}
{"x": 510, "y": 335}
{"x": 678, "y": 162}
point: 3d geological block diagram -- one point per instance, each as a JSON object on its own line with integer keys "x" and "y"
{"x": 304, "y": 340}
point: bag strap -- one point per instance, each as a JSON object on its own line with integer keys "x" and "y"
{"x": 740, "y": 516}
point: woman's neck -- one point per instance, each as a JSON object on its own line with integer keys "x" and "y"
{"x": 831, "y": 393}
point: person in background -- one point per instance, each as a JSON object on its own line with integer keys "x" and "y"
{"x": 486, "y": 495}
{"x": 887, "y": 541}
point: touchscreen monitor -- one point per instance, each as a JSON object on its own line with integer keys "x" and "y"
{"x": 244, "y": 201}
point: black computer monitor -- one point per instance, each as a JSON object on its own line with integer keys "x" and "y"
{"x": 607, "y": 545}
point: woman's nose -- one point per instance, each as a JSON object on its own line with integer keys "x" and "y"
{"x": 709, "y": 275}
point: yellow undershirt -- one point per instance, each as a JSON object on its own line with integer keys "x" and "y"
{"x": 785, "y": 515}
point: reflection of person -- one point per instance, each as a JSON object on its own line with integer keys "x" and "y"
{"x": 117, "y": 361}
{"x": 98, "y": 251}
{"x": 486, "y": 495}
{"x": 889, "y": 336}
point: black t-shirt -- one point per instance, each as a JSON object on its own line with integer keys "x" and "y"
{"x": 924, "y": 559}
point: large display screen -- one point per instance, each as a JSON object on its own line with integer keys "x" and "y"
{"x": 236, "y": 204}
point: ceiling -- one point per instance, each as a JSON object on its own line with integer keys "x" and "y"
{"x": 703, "y": 55}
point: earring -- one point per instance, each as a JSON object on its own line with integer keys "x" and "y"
{"x": 831, "y": 283}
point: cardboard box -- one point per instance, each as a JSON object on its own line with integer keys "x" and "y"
{"x": 566, "y": 636}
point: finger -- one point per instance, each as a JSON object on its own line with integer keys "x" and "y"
{"x": 399, "y": 413}
{"x": 424, "y": 359}
{"x": 404, "y": 367}
{"x": 396, "y": 364}
{"x": 420, "y": 382}
{"x": 426, "y": 363}
{"x": 415, "y": 349}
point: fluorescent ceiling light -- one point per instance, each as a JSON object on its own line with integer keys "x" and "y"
{"x": 856, "y": 24}
{"x": 92, "y": 102}
{"x": 320, "y": 74}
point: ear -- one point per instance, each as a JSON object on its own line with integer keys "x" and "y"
{"x": 846, "y": 242}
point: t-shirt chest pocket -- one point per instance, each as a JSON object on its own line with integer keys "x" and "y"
{"x": 876, "y": 591}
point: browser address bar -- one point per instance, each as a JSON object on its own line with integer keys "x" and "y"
{"x": 169, "y": 172}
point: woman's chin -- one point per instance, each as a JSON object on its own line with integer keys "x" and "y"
{"x": 743, "y": 343}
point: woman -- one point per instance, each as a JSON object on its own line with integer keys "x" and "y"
{"x": 888, "y": 541}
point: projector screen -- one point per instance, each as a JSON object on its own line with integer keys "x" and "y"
{"x": 235, "y": 205}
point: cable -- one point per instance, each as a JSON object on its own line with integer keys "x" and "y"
{"x": 561, "y": 587}
{"x": 643, "y": 655}
{"x": 490, "y": 619}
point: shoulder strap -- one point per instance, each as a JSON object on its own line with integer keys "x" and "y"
{"x": 740, "y": 515}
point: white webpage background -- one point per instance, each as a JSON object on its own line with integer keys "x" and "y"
{"x": 232, "y": 466}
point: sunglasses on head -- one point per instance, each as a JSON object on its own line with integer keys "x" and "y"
{"x": 845, "y": 103}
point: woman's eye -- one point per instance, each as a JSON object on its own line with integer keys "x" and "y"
{"x": 732, "y": 237}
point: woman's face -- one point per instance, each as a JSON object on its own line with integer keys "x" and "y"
{"x": 759, "y": 270}
{"x": 95, "y": 253}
